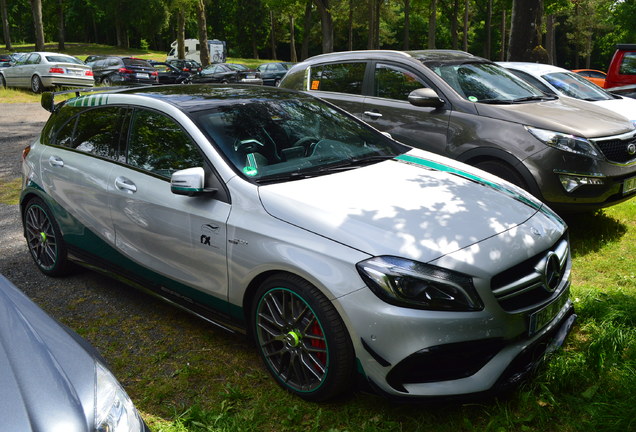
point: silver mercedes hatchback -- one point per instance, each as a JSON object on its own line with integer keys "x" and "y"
{"x": 349, "y": 258}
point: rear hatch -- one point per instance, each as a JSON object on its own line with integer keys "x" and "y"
{"x": 140, "y": 70}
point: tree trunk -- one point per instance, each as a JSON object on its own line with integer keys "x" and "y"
{"x": 432, "y": 24}
{"x": 550, "y": 41}
{"x": 326, "y": 22}
{"x": 465, "y": 39}
{"x": 36, "y": 8}
{"x": 407, "y": 25}
{"x": 453, "y": 19}
{"x": 488, "y": 45}
{"x": 350, "y": 25}
{"x": 61, "y": 33}
{"x": 371, "y": 33}
{"x": 5, "y": 24}
{"x": 292, "y": 40}
{"x": 376, "y": 32}
{"x": 204, "y": 52}
{"x": 181, "y": 34}
{"x": 304, "y": 51}
{"x": 502, "y": 53}
{"x": 272, "y": 38}
{"x": 524, "y": 33}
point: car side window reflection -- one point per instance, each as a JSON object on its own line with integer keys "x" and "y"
{"x": 159, "y": 145}
{"x": 394, "y": 82}
{"x": 97, "y": 132}
{"x": 341, "y": 78}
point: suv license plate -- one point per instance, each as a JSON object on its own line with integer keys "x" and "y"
{"x": 629, "y": 185}
{"x": 143, "y": 75}
{"x": 541, "y": 318}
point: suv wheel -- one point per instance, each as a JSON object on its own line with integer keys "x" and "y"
{"x": 302, "y": 339}
{"x": 503, "y": 170}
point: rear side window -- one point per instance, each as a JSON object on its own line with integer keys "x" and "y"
{"x": 393, "y": 82}
{"x": 628, "y": 65}
{"x": 96, "y": 131}
{"x": 341, "y": 77}
{"x": 159, "y": 145}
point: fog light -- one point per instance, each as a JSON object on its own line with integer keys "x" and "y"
{"x": 571, "y": 183}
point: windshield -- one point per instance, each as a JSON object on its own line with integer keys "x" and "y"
{"x": 571, "y": 84}
{"x": 270, "y": 140}
{"x": 486, "y": 82}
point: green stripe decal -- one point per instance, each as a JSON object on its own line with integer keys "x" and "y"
{"x": 90, "y": 100}
{"x": 445, "y": 168}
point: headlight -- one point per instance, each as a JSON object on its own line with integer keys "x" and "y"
{"x": 413, "y": 284}
{"x": 114, "y": 411}
{"x": 565, "y": 142}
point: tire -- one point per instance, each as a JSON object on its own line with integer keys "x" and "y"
{"x": 503, "y": 170}
{"x": 107, "y": 82}
{"x": 44, "y": 239}
{"x": 36, "y": 84}
{"x": 276, "y": 82}
{"x": 301, "y": 339}
{"x": 3, "y": 83}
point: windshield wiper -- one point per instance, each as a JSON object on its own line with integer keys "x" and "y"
{"x": 533, "y": 98}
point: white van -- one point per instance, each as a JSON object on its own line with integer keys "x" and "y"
{"x": 217, "y": 49}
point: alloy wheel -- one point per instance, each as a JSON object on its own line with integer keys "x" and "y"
{"x": 41, "y": 238}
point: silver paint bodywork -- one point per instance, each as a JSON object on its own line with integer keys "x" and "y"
{"x": 320, "y": 228}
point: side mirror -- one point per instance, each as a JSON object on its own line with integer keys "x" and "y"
{"x": 48, "y": 101}
{"x": 425, "y": 97}
{"x": 189, "y": 181}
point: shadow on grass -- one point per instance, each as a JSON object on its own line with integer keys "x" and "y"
{"x": 591, "y": 231}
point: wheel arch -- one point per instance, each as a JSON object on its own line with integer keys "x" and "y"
{"x": 482, "y": 154}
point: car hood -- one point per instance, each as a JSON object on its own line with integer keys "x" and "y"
{"x": 623, "y": 106}
{"x": 570, "y": 116}
{"x": 419, "y": 206}
{"x": 45, "y": 386}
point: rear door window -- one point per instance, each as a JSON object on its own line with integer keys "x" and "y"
{"x": 159, "y": 145}
{"x": 338, "y": 77}
{"x": 628, "y": 65}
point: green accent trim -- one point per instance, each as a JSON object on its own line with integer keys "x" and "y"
{"x": 88, "y": 100}
{"x": 295, "y": 338}
{"x": 445, "y": 168}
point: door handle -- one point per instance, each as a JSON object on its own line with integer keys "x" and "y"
{"x": 126, "y": 185}
{"x": 373, "y": 114}
{"x": 56, "y": 161}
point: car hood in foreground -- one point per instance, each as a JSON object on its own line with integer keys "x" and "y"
{"x": 414, "y": 206}
{"x": 569, "y": 115}
{"x": 45, "y": 385}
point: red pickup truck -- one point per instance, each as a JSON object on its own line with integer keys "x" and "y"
{"x": 622, "y": 68}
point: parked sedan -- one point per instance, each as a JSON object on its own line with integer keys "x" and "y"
{"x": 227, "y": 73}
{"x": 168, "y": 74}
{"x": 561, "y": 82}
{"x": 348, "y": 256}
{"x": 592, "y": 75}
{"x": 190, "y": 66}
{"x": 272, "y": 73}
{"x": 52, "y": 379}
{"x": 124, "y": 70}
{"x": 42, "y": 70}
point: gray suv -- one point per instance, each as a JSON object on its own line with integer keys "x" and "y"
{"x": 453, "y": 103}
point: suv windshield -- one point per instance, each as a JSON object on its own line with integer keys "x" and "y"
{"x": 284, "y": 139}
{"x": 486, "y": 83}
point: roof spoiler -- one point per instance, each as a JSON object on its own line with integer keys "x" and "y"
{"x": 48, "y": 98}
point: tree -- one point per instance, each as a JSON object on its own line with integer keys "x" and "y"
{"x": 5, "y": 24}
{"x": 204, "y": 52}
{"x": 61, "y": 33}
{"x": 525, "y": 31}
{"x": 326, "y": 22}
{"x": 38, "y": 26}
{"x": 432, "y": 24}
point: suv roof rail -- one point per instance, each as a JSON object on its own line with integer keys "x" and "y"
{"x": 48, "y": 98}
{"x": 626, "y": 46}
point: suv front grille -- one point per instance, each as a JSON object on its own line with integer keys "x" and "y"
{"x": 618, "y": 150}
{"x": 533, "y": 281}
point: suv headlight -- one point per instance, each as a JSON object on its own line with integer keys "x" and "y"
{"x": 114, "y": 411}
{"x": 412, "y": 284}
{"x": 565, "y": 142}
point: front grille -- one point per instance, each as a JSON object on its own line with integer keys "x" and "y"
{"x": 533, "y": 281}
{"x": 618, "y": 150}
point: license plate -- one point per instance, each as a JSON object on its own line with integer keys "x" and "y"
{"x": 541, "y": 318}
{"x": 629, "y": 185}
{"x": 250, "y": 76}
{"x": 142, "y": 75}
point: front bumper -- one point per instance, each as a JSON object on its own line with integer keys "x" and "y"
{"x": 445, "y": 355}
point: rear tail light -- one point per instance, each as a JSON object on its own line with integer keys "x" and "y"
{"x": 155, "y": 73}
{"x": 25, "y": 152}
{"x": 56, "y": 70}
{"x": 89, "y": 73}
{"x": 125, "y": 70}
